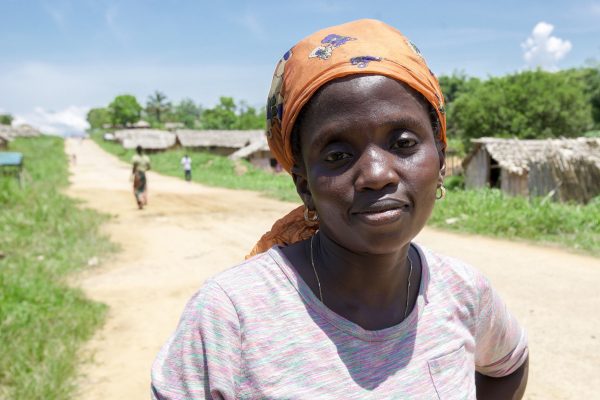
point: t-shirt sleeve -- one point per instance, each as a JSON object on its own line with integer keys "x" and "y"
{"x": 202, "y": 358}
{"x": 501, "y": 343}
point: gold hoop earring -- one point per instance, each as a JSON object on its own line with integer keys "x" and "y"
{"x": 440, "y": 193}
{"x": 311, "y": 220}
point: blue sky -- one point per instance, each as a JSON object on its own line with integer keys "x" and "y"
{"x": 59, "y": 58}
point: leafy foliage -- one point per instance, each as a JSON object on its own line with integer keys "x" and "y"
{"x": 187, "y": 112}
{"x": 98, "y": 117}
{"x": 124, "y": 110}
{"x": 228, "y": 115}
{"x": 589, "y": 79}
{"x": 530, "y": 104}
{"x": 456, "y": 84}
{"x": 157, "y": 105}
{"x": 6, "y": 119}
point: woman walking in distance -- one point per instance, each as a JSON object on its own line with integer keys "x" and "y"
{"x": 337, "y": 301}
{"x": 141, "y": 164}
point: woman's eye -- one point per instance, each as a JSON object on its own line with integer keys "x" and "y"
{"x": 336, "y": 156}
{"x": 404, "y": 143}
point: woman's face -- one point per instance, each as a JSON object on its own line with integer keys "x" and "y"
{"x": 370, "y": 165}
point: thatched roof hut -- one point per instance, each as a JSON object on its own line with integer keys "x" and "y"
{"x": 149, "y": 139}
{"x": 141, "y": 124}
{"x": 171, "y": 126}
{"x": 23, "y": 130}
{"x": 564, "y": 169}
{"x": 222, "y": 142}
{"x": 258, "y": 153}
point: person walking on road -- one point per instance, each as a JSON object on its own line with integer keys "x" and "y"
{"x": 186, "y": 163}
{"x": 140, "y": 165}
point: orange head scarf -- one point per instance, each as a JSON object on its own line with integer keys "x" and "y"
{"x": 361, "y": 47}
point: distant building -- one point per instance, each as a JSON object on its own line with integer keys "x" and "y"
{"x": 257, "y": 153}
{"x": 563, "y": 169}
{"x": 171, "y": 126}
{"x": 23, "y": 130}
{"x": 149, "y": 139}
{"x": 141, "y": 124}
{"x": 250, "y": 145}
{"x": 221, "y": 142}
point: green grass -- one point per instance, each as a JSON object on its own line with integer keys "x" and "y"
{"x": 213, "y": 170}
{"x": 492, "y": 213}
{"x": 45, "y": 235}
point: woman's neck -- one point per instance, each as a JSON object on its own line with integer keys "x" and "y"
{"x": 361, "y": 280}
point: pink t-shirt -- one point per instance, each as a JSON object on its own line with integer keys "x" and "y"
{"x": 257, "y": 331}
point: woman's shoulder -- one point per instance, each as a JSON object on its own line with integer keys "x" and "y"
{"x": 451, "y": 271}
{"x": 258, "y": 275}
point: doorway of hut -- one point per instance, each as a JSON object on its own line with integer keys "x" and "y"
{"x": 494, "y": 177}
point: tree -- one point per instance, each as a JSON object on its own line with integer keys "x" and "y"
{"x": 248, "y": 118}
{"x": 222, "y": 116}
{"x": 187, "y": 112}
{"x": 98, "y": 117}
{"x": 530, "y": 104}
{"x": 456, "y": 84}
{"x": 6, "y": 119}
{"x": 124, "y": 109}
{"x": 589, "y": 79}
{"x": 157, "y": 105}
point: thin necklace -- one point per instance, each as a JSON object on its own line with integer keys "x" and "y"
{"x": 312, "y": 261}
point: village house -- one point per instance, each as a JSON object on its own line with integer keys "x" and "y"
{"x": 250, "y": 145}
{"x": 171, "y": 126}
{"x": 149, "y": 139}
{"x": 563, "y": 169}
{"x": 24, "y": 130}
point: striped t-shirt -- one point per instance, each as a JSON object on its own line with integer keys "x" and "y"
{"x": 257, "y": 331}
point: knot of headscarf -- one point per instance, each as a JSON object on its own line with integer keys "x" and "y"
{"x": 360, "y": 47}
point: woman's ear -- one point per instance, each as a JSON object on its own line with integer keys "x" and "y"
{"x": 299, "y": 177}
{"x": 442, "y": 173}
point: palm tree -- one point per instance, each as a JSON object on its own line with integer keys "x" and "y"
{"x": 157, "y": 104}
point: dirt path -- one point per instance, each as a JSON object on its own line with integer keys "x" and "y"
{"x": 190, "y": 232}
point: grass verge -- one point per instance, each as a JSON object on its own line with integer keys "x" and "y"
{"x": 44, "y": 236}
{"x": 492, "y": 213}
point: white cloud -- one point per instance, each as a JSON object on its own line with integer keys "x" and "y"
{"x": 69, "y": 121}
{"x": 541, "y": 49}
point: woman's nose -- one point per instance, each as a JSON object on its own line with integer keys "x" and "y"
{"x": 376, "y": 170}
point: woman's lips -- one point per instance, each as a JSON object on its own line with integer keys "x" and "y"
{"x": 383, "y": 212}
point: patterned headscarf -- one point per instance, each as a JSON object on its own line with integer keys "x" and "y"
{"x": 361, "y": 47}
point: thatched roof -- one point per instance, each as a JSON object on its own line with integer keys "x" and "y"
{"x": 246, "y": 151}
{"x": 516, "y": 155}
{"x": 218, "y": 138}
{"x": 174, "y": 125}
{"x": 150, "y": 139}
{"x": 141, "y": 124}
{"x": 24, "y": 130}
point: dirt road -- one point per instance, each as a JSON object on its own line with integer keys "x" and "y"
{"x": 190, "y": 232}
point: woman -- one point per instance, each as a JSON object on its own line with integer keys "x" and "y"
{"x": 338, "y": 303}
{"x": 140, "y": 165}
